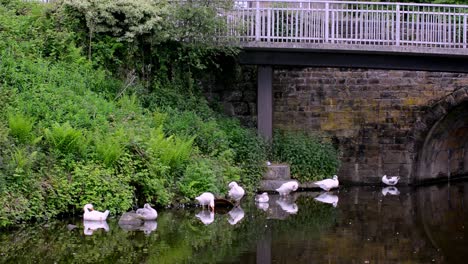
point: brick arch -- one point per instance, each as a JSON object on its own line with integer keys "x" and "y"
{"x": 437, "y": 134}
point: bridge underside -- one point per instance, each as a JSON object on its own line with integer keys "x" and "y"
{"x": 354, "y": 59}
{"x": 266, "y": 58}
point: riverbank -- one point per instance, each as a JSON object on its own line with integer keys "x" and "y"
{"x": 111, "y": 116}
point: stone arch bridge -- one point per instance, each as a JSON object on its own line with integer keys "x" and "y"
{"x": 387, "y": 82}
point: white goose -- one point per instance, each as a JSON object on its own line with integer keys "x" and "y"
{"x": 328, "y": 184}
{"x": 207, "y": 199}
{"x": 262, "y": 198}
{"x": 287, "y": 187}
{"x": 91, "y": 215}
{"x": 235, "y": 191}
{"x": 147, "y": 212}
{"x": 235, "y": 215}
{"x": 392, "y": 190}
{"x": 392, "y": 180}
{"x": 327, "y": 198}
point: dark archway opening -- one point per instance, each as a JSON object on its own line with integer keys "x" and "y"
{"x": 444, "y": 154}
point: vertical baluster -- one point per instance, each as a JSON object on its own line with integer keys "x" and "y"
{"x": 354, "y": 23}
{"x": 334, "y": 23}
{"x": 397, "y": 26}
{"x": 300, "y": 33}
{"x": 268, "y": 24}
{"x": 464, "y": 29}
{"x": 277, "y": 26}
{"x": 257, "y": 21}
{"x": 342, "y": 34}
{"x": 327, "y": 21}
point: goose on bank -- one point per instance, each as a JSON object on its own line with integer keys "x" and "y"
{"x": 147, "y": 212}
{"x": 328, "y": 184}
{"x": 91, "y": 215}
{"x": 392, "y": 180}
{"x": 288, "y": 187}
{"x": 207, "y": 199}
{"x": 262, "y": 198}
{"x": 235, "y": 191}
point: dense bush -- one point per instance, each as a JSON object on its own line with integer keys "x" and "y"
{"x": 310, "y": 157}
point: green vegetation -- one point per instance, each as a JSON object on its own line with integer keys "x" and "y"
{"x": 99, "y": 104}
{"x": 310, "y": 158}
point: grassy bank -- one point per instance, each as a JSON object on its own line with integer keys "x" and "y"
{"x": 99, "y": 104}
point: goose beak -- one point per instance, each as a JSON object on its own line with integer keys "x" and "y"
{"x": 211, "y": 208}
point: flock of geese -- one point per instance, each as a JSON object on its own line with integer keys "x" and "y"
{"x": 144, "y": 219}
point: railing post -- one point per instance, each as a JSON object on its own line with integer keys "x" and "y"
{"x": 257, "y": 21}
{"x": 269, "y": 25}
{"x": 397, "y": 25}
{"x": 327, "y": 21}
{"x": 464, "y": 31}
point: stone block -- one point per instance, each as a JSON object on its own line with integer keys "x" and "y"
{"x": 277, "y": 172}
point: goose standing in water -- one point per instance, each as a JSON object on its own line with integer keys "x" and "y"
{"x": 91, "y": 215}
{"x": 207, "y": 199}
{"x": 147, "y": 212}
{"x": 327, "y": 198}
{"x": 393, "y": 180}
{"x": 235, "y": 191}
{"x": 262, "y": 198}
{"x": 328, "y": 184}
{"x": 287, "y": 187}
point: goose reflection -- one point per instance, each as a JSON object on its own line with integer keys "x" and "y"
{"x": 148, "y": 227}
{"x": 391, "y": 190}
{"x": 327, "y": 198}
{"x": 91, "y": 226}
{"x": 235, "y": 215}
{"x": 207, "y": 217}
{"x": 262, "y": 206}
{"x": 287, "y": 206}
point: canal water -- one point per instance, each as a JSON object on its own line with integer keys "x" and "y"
{"x": 357, "y": 225}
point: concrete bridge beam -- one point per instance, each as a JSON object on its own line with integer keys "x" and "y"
{"x": 265, "y": 101}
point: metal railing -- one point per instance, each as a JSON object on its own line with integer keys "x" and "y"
{"x": 345, "y": 22}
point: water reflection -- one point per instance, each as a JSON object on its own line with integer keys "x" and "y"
{"x": 206, "y": 216}
{"x": 146, "y": 226}
{"x": 235, "y": 215}
{"x": 426, "y": 225}
{"x": 287, "y": 205}
{"x": 89, "y": 227}
{"x": 390, "y": 190}
{"x": 262, "y": 206}
{"x": 328, "y": 198}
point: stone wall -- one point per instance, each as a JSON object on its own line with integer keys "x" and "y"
{"x": 236, "y": 93}
{"x": 369, "y": 114}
